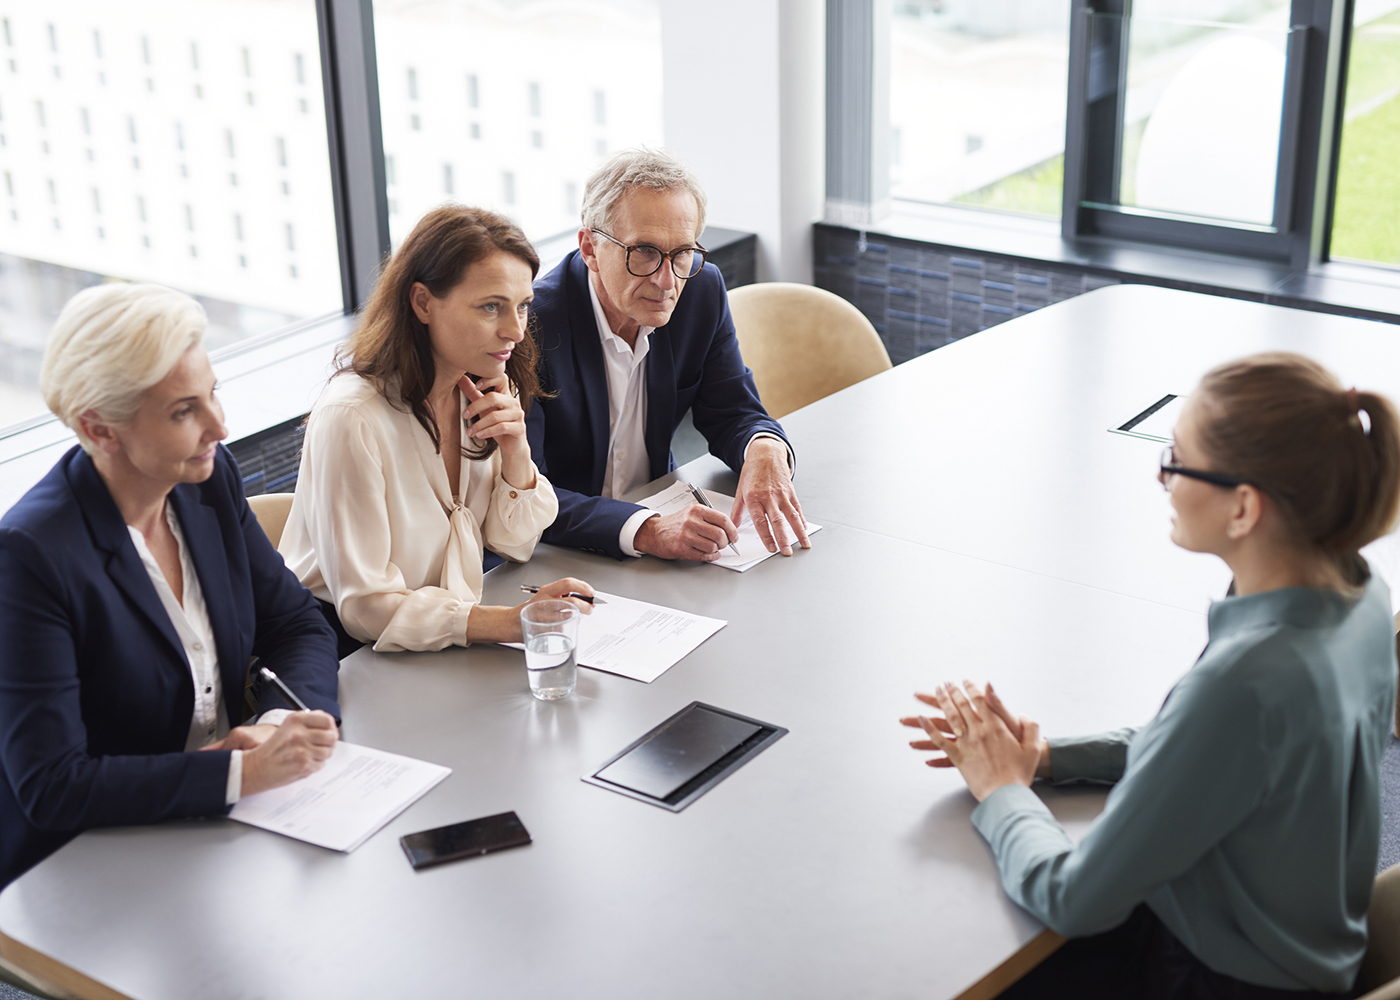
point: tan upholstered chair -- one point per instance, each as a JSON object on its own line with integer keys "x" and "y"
{"x": 803, "y": 343}
{"x": 1380, "y": 969}
{"x": 271, "y": 510}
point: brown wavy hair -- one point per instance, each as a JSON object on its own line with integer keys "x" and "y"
{"x": 390, "y": 347}
{"x": 1284, "y": 423}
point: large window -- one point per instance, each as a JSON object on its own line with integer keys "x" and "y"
{"x": 1207, "y": 124}
{"x": 977, "y": 102}
{"x": 178, "y": 142}
{"x": 510, "y": 104}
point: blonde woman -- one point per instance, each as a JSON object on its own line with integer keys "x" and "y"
{"x": 135, "y": 584}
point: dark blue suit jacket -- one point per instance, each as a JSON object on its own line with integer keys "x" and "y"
{"x": 693, "y": 364}
{"x": 95, "y": 691}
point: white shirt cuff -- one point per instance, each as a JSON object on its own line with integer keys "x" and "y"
{"x": 628, "y": 535}
{"x": 792, "y": 457}
{"x": 273, "y": 717}
{"x": 233, "y": 791}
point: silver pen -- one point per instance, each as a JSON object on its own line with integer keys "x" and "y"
{"x": 704, "y": 501}
{"x": 286, "y": 691}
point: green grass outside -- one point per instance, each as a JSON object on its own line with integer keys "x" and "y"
{"x": 1037, "y": 190}
{"x": 1366, "y": 220}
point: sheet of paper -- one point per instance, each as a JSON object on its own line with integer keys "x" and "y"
{"x": 636, "y": 639}
{"x": 751, "y": 550}
{"x": 1157, "y": 425}
{"x": 639, "y": 640}
{"x": 342, "y": 805}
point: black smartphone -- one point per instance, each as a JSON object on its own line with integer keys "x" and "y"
{"x": 464, "y": 840}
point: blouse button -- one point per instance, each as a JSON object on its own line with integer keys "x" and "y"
{"x": 513, "y": 494}
{"x": 198, "y": 646}
{"x": 208, "y": 690}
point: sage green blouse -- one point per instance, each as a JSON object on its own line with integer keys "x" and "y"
{"x": 1247, "y": 813}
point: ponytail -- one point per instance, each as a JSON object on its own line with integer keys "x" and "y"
{"x": 1331, "y": 456}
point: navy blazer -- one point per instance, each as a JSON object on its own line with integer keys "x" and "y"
{"x": 96, "y": 694}
{"x": 693, "y": 364}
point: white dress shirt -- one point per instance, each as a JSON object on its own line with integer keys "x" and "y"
{"x": 376, "y": 530}
{"x": 629, "y": 465}
{"x": 209, "y": 723}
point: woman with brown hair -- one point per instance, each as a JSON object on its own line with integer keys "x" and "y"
{"x": 1236, "y": 852}
{"x": 415, "y": 459}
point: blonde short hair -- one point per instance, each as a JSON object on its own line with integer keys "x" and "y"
{"x": 642, "y": 167}
{"x": 111, "y": 343}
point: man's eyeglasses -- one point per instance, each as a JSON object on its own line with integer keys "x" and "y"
{"x": 1171, "y": 468}
{"x": 643, "y": 261}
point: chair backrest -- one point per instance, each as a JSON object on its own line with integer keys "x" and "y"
{"x": 803, "y": 343}
{"x": 1382, "y": 961}
{"x": 271, "y": 510}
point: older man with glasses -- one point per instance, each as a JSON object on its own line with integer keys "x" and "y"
{"x": 625, "y": 359}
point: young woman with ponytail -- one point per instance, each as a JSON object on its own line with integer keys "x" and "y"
{"x": 1235, "y": 854}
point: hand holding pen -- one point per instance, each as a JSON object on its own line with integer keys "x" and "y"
{"x": 704, "y": 501}
{"x": 564, "y": 589}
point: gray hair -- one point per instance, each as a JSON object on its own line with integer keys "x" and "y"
{"x": 111, "y": 343}
{"x": 641, "y": 167}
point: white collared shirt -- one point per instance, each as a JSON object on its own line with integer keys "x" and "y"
{"x": 629, "y": 465}
{"x": 209, "y": 722}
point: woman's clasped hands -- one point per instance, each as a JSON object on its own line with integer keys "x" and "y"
{"x": 977, "y": 734}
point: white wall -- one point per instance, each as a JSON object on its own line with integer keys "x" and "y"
{"x": 743, "y": 99}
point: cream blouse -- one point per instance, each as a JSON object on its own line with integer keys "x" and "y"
{"x": 375, "y": 530}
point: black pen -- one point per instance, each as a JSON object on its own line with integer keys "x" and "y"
{"x": 529, "y": 589}
{"x": 286, "y": 691}
{"x": 700, "y": 498}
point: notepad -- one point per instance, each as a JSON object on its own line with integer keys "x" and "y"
{"x": 356, "y": 793}
{"x": 751, "y": 549}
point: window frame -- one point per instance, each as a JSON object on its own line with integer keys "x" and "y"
{"x": 1309, "y": 140}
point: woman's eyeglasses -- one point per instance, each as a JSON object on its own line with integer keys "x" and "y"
{"x": 1171, "y": 468}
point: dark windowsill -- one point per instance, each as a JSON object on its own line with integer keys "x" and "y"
{"x": 1354, "y": 289}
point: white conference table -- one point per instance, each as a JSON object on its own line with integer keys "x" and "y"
{"x": 979, "y": 520}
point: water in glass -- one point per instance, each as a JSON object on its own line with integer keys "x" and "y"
{"x": 549, "y": 660}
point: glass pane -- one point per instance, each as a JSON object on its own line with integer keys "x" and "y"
{"x": 510, "y": 104}
{"x": 177, "y": 141}
{"x": 1366, "y": 221}
{"x": 977, "y": 102}
{"x": 1198, "y": 133}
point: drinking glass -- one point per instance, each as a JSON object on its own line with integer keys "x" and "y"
{"x": 551, "y": 634}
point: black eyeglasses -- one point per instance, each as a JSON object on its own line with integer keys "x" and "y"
{"x": 1170, "y": 468}
{"x": 643, "y": 261}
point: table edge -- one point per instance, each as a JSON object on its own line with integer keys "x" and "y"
{"x": 50, "y": 975}
{"x": 1031, "y": 954}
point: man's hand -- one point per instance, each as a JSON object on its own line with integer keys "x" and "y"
{"x": 698, "y": 532}
{"x": 765, "y": 491}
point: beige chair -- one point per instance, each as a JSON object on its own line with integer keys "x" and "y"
{"x": 803, "y": 343}
{"x": 1380, "y": 969}
{"x": 271, "y": 510}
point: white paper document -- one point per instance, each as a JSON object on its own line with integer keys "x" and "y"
{"x": 639, "y": 640}
{"x": 751, "y": 549}
{"x": 342, "y": 805}
{"x": 636, "y": 639}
